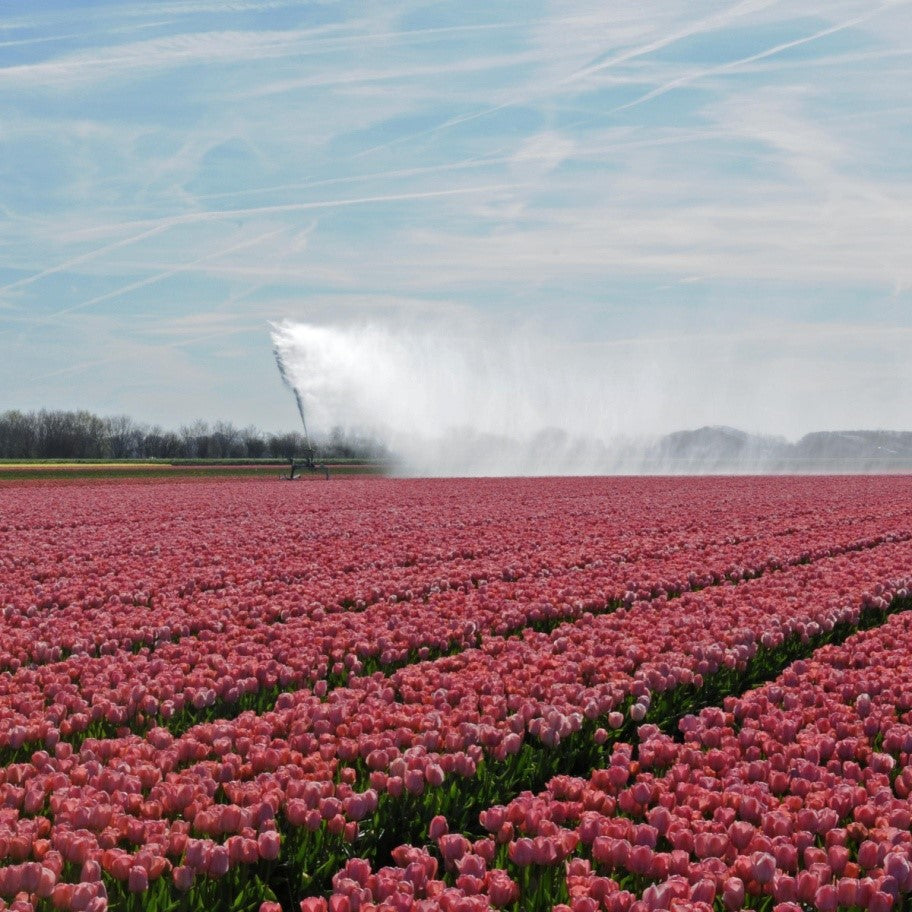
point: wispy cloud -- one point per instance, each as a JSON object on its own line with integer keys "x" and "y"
{"x": 83, "y": 258}
{"x": 220, "y": 215}
{"x": 734, "y": 65}
{"x": 166, "y": 274}
{"x": 73, "y": 70}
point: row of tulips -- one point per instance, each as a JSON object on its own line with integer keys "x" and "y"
{"x": 307, "y": 534}
{"x": 241, "y": 661}
{"x": 101, "y": 626}
{"x": 386, "y": 752}
{"x": 207, "y": 673}
{"x": 794, "y": 796}
{"x": 420, "y": 522}
{"x": 86, "y": 589}
{"x": 622, "y": 841}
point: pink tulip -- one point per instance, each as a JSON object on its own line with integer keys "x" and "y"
{"x": 434, "y": 775}
{"x": 763, "y": 867}
{"x": 733, "y": 893}
{"x": 269, "y": 845}
{"x": 452, "y": 848}
{"x": 218, "y": 862}
{"x": 313, "y": 904}
{"x": 521, "y": 852}
{"x": 826, "y": 899}
{"x": 502, "y": 890}
{"x": 899, "y": 867}
{"x": 183, "y": 877}
{"x": 867, "y": 854}
{"x": 704, "y": 890}
{"x": 138, "y": 881}
{"x": 880, "y": 902}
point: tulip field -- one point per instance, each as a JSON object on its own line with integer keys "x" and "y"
{"x": 409, "y": 695}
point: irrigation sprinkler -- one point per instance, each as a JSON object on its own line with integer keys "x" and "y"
{"x": 307, "y": 461}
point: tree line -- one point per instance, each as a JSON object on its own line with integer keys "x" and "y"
{"x": 48, "y": 434}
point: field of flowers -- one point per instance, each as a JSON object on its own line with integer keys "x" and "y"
{"x": 370, "y": 694}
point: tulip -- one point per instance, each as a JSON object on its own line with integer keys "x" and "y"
{"x": 269, "y": 844}
{"x": 183, "y": 877}
{"x": 218, "y": 862}
{"x": 521, "y": 852}
{"x": 641, "y": 859}
{"x": 847, "y": 892}
{"x": 807, "y": 883}
{"x": 395, "y": 786}
{"x": 452, "y": 848}
{"x": 313, "y": 904}
{"x": 763, "y": 867}
{"x": 704, "y": 890}
{"x": 733, "y": 893}
{"x": 898, "y": 867}
{"x": 867, "y": 854}
{"x": 138, "y": 879}
{"x": 434, "y": 775}
{"x": 880, "y": 902}
{"x": 826, "y": 899}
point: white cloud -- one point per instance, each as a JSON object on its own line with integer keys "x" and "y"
{"x": 133, "y": 59}
{"x": 541, "y": 154}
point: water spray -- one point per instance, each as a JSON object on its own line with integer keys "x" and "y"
{"x": 308, "y": 462}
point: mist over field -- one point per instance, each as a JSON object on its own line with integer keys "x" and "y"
{"x": 470, "y": 402}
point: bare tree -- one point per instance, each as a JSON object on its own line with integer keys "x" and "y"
{"x": 225, "y": 441}
{"x": 123, "y": 437}
{"x": 82, "y": 435}
{"x": 18, "y": 435}
{"x": 254, "y": 443}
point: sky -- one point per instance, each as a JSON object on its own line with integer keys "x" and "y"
{"x": 709, "y": 203}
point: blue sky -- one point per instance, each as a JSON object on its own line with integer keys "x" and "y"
{"x": 713, "y": 196}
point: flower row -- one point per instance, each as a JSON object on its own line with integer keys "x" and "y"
{"x": 344, "y": 768}
{"x": 251, "y": 650}
{"x": 796, "y": 793}
{"x": 137, "y": 563}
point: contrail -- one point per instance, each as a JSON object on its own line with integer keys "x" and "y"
{"x": 84, "y": 365}
{"x": 216, "y": 215}
{"x": 465, "y": 164}
{"x": 82, "y": 258}
{"x": 708, "y": 23}
{"x": 360, "y": 178}
{"x": 632, "y": 54}
{"x": 332, "y": 204}
{"x": 762, "y": 55}
{"x": 163, "y": 275}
